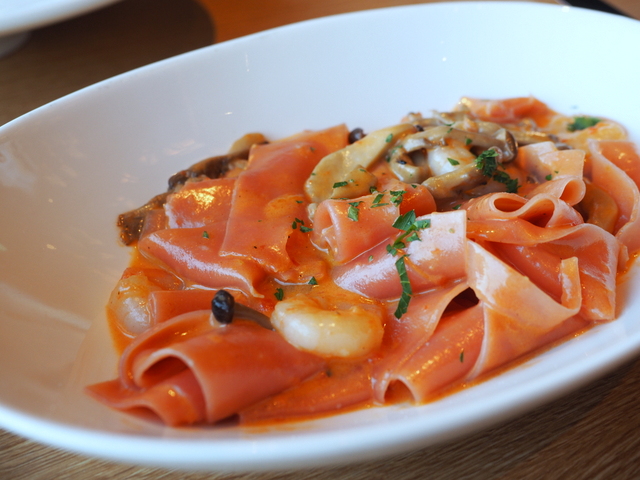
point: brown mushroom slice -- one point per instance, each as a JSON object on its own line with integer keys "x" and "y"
{"x": 415, "y": 168}
{"x": 336, "y": 167}
{"x": 131, "y": 223}
{"x": 216, "y": 167}
{"x": 408, "y": 160}
{"x": 359, "y": 183}
{"x": 455, "y": 183}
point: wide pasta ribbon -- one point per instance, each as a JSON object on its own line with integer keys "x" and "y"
{"x": 517, "y": 313}
{"x": 268, "y": 198}
{"x": 436, "y": 259}
{"x": 186, "y": 371}
{"x": 614, "y": 166}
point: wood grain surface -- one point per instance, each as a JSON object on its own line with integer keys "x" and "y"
{"x": 593, "y": 433}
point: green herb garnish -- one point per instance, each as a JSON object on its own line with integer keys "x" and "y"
{"x": 353, "y": 213}
{"x": 487, "y": 162}
{"x": 397, "y": 196}
{"x": 511, "y": 183}
{"x": 405, "y": 297}
{"x": 279, "y": 294}
{"x": 580, "y": 123}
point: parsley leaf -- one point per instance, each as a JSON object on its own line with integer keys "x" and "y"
{"x": 487, "y": 162}
{"x": 279, "y": 294}
{"x": 353, "y": 213}
{"x": 397, "y": 196}
{"x": 404, "y": 221}
{"x": 580, "y": 123}
{"x": 409, "y": 225}
{"x": 405, "y": 297}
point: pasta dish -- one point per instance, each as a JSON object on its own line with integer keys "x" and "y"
{"x": 341, "y": 269}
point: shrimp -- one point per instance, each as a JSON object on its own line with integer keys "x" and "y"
{"x": 310, "y": 324}
{"x": 129, "y": 300}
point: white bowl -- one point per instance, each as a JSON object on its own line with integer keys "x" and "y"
{"x": 69, "y": 168}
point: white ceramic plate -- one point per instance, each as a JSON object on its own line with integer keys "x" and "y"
{"x": 67, "y": 170}
{"x": 17, "y": 17}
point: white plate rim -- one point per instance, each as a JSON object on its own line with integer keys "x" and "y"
{"x": 193, "y": 453}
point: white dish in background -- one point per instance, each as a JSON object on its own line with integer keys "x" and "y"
{"x": 17, "y": 17}
{"x": 69, "y": 168}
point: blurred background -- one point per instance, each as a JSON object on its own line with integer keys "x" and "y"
{"x": 60, "y": 58}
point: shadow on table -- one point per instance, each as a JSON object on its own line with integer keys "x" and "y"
{"x": 64, "y": 57}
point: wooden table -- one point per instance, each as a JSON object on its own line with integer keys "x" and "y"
{"x": 591, "y": 433}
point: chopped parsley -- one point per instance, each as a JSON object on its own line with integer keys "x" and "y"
{"x": 340, "y": 184}
{"x": 487, "y": 162}
{"x": 511, "y": 183}
{"x": 397, "y": 196}
{"x": 389, "y": 138}
{"x": 405, "y": 297}
{"x": 297, "y": 222}
{"x": 353, "y": 213}
{"x": 453, "y": 161}
{"x": 313, "y": 281}
{"x": 279, "y": 294}
{"x": 409, "y": 222}
{"x": 549, "y": 177}
{"x": 205, "y": 234}
{"x": 580, "y": 123}
{"x": 378, "y": 198}
{"x": 410, "y": 225}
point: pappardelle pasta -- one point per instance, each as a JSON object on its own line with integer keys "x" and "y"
{"x": 339, "y": 269}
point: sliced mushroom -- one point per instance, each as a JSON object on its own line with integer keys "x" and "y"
{"x": 336, "y": 167}
{"x": 454, "y": 183}
{"x": 131, "y": 223}
{"x": 412, "y": 168}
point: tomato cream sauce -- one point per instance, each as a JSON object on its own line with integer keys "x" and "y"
{"x": 390, "y": 268}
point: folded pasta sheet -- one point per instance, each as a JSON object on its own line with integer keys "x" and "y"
{"x": 338, "y": 269}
